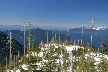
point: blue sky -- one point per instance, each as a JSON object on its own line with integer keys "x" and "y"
{"x": 54, "y": 13}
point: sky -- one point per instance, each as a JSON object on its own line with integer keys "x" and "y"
{"x": 54, "y": 13}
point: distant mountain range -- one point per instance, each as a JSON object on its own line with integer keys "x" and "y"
{"x": 38, "y": 35}
{"x": 99, "y": 36}
{"x": 20, "y": 27}
{"x": 74, "y": 33}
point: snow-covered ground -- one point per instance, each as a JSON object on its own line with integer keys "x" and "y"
{"x": 97, "y": 57}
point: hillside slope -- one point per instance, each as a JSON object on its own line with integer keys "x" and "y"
{"x": 5, "y": 48}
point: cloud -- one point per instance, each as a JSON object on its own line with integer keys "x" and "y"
{"x": 58, "y": 25}
{"x": 61, "y": 25}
